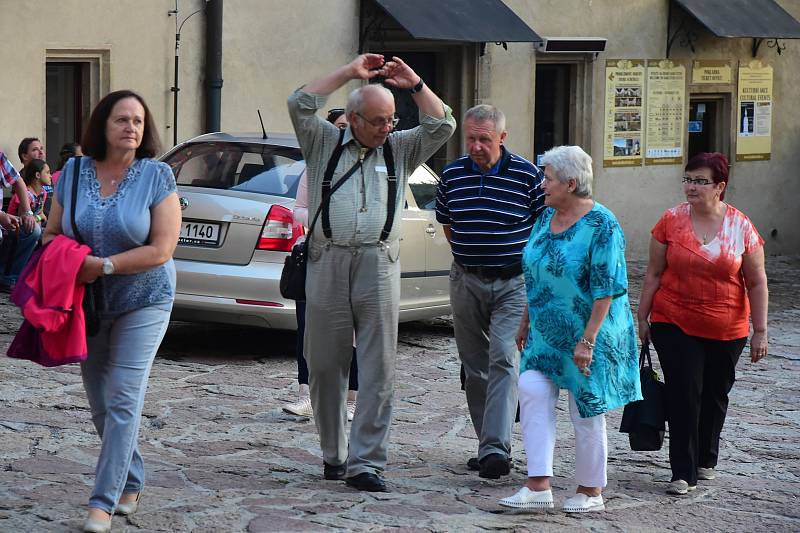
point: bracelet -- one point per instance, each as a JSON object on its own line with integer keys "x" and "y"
{"x": 586, "y": 341}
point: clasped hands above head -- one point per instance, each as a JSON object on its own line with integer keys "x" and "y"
{"x": 396, "y": 72}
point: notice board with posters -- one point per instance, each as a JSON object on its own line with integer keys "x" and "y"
{"x": 666, "y": 112}
{"x": 754, "y": 124}
{"x": 625, "y": 104}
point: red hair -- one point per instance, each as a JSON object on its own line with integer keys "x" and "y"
{"x": 716, "y": 162}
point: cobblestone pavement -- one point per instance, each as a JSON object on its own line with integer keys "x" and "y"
{"x": 222, "y": 456}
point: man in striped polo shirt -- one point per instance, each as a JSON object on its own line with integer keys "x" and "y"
{"x": 488, "y": 202}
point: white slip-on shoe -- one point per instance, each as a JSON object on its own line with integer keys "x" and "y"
{"x": 351, "y": 410}
{"x": 706, "y": 474}
{"x": 302, "y": 407}
{"x": 96, "y": 526}
{"x": 128, "y": 508}
{"x": 581, "y": 503}
{"x": 526, "y": 498}
{"x": 680, "y": 487}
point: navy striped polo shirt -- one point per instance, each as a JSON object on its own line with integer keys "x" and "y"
{"x": 490, "y": 214}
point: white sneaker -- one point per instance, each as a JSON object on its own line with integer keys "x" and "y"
{"x": 302, "y": 407}
{"x": 581, "y": 503}
{"x": 706, "y": 473}
{"x": 351, "y": 410}
{"x": 680, "y": 487}
{"x": 526, "y": 498}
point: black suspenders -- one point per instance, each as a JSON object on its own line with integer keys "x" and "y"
{"x": 391, "y": 199}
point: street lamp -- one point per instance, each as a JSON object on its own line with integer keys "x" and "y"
{"x": 176, "y": 88}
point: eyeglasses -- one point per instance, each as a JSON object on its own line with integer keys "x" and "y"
{"x": 697, "y": 181}
{"x": 380, "y": 122}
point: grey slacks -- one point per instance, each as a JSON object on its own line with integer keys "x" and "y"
{"x": 486, "y": 315}
{"x": 351, "y": 288}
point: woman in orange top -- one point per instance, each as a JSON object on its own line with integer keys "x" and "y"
{"x": 705, "y": 276}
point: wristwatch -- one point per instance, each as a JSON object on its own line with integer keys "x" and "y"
{"x": 108, "y": 267}
{"x": 418, "y": 87}
{"x": 28, "y": 213}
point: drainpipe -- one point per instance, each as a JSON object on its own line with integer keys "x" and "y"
{"x": 213, "y": 65}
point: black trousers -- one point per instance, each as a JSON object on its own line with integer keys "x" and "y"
{"x": 698, "y": 375}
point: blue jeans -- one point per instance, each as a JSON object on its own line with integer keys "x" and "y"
{"x": 26, "y": 242}
{"x": 115, "y": 379}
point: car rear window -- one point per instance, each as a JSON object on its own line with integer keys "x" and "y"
{"x": 259, "y": 168}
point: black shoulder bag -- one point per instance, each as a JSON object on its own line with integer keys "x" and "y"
{"x": 293, "y": 275}
{"x": 643, "y": 420}
{"x": 93, "y": 297}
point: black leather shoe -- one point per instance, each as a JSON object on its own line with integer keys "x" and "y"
{"x": 473, "y": 464}
{"x": 367, "y": 481}
{"x": 494, "y": 465}
{"x": 335, "y": 472}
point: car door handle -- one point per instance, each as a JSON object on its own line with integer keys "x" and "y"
{"x": 430, "y": 230}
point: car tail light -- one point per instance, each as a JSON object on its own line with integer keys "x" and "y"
{"x": 280, "y": 232}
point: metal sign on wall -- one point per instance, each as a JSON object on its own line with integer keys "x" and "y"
{"x": 625, "y": 103}
{"x": 712, "y": 72}
{"x": 754, "y": 123}
{"x": 666, "y": 112}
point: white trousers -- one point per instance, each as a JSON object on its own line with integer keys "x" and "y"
{"x": 538, "y": 396}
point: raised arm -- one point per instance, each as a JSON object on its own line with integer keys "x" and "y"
{"x": 364, "y": 67}
{"x": 399, "y": 74}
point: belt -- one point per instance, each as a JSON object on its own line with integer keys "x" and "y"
{"x": 494, "y": 272}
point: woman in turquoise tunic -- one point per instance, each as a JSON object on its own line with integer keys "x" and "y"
{"x": 577, "y": 332}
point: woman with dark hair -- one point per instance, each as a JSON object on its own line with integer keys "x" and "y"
{"x": 302, "y": 407}
{"x": 127, "y": 212}
{"x": 69, "y": 150}
{"x": 705, "y": 276}
{"x": 36, "y": 176}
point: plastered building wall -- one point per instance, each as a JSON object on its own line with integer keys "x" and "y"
{"x": 271, "y": 47}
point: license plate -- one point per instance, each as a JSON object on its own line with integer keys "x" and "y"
{"x": 199, "y": 234}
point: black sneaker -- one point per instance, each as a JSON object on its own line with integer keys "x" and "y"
{"x": 474, "y": 464}
{"x": 494, "y": 465}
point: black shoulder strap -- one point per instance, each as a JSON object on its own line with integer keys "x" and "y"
{"x": 326, "y": 183}
{"x": 76, "y": 171}
{"x": 391, "y": 196}
{"x": 328, "y": 191}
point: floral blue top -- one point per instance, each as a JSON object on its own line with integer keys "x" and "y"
{"x": 564, "y": 274}
{"x": 117, "y": 223}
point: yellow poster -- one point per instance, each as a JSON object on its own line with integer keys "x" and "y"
{"x": 666, "y": 112}
{"x": 754, "y": 124}
{"x": 712, "y": 72}
{"x": 625, "y": 101}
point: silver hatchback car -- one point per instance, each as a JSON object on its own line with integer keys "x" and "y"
{"x": 237, "y": 193}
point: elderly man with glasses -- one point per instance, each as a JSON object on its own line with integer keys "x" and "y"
{"x": 353, "y": 277}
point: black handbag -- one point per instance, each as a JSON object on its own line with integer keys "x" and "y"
{"x": 93, "y": 295}
{"x": 644, "y": 420}
{"x": 293, "y": 276}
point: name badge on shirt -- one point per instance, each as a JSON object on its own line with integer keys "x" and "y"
{"x": 381, "y": 168}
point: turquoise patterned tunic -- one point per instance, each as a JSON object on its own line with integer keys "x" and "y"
{"x": 564, "y": 274}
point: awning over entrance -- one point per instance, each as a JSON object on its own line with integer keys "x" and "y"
{"x": 743, "y": 18}
{"x": 475, "y": 21}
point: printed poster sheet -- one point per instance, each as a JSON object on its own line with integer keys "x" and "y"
{"x": 666, "y": 112}
{"x": 754, "y": 124}
{"x": 625, "y": 101}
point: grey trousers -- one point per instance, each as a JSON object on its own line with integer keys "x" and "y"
{"x": 346, "y": 289}
{"x": 486, "y": 315}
